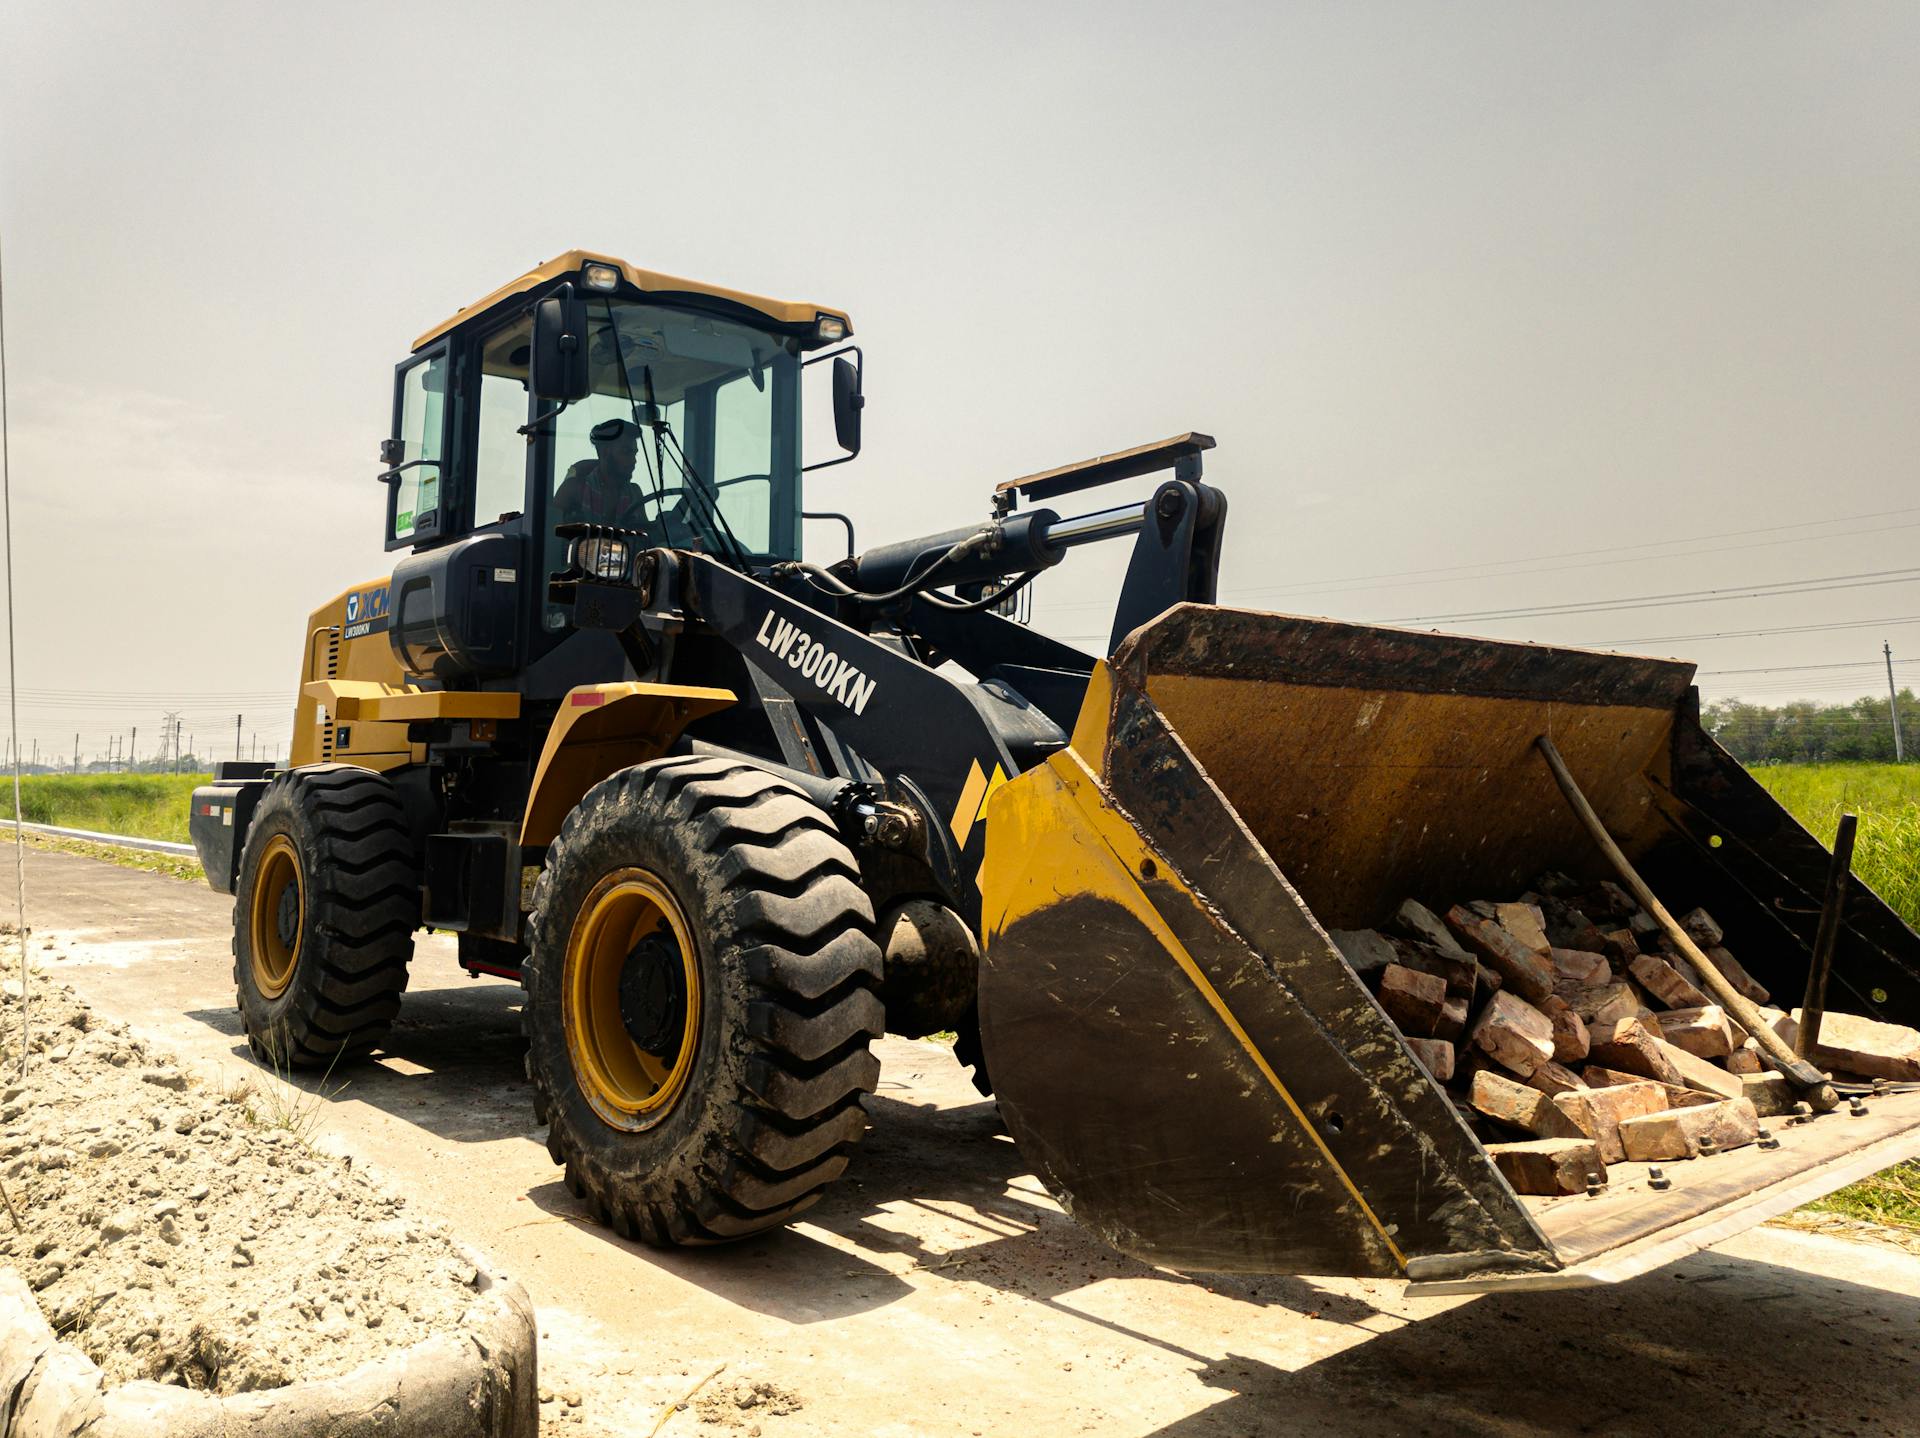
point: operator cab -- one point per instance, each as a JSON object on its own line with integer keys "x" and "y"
{"x": 588, "y": 391}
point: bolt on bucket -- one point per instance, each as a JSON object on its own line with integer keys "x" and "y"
{"x": 1200, "y": 1077}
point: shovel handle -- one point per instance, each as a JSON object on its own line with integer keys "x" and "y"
{"x": 1803, "y": 1075}
{"x": 1813, "y": 1008}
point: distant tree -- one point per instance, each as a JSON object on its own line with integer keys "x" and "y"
{"x": 1803, "y": 732}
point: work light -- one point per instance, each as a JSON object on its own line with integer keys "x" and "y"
{"x": 601, "y": 277}
{"x": 603, "y": 558}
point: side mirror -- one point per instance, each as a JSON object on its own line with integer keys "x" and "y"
{"x": 848, "y": 368}
{"x": 559, "y": 362}
{"x": 847, "y": 404}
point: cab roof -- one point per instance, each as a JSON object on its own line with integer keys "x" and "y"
{"x": 782, "y": 312}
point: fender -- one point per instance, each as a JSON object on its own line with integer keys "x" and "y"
{"x": 602, "y": 728}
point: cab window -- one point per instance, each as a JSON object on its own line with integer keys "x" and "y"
{"x": 421, "y": 428}
{"x": 500, "y": 457}
{"x": 743, "y": 464}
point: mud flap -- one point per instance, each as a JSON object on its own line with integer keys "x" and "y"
{"x": 1177, "y": 1046}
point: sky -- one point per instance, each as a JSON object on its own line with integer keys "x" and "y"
{"x": 1493, "y": 309}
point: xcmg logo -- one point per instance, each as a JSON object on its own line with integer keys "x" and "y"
{"x": 840, "y": 681}
{"x": 367, "y": 604}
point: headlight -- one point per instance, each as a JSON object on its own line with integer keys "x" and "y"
{"x": 603, "y": 558}
{"x": 830, "y": 328}
{"x": 601, "y": 277}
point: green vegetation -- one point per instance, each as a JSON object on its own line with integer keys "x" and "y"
{"x": 1886, "y": 856}
{"x": 1860, "y": 731}
{"x": 174, "y": 866}
{"x": 141, "y": 806}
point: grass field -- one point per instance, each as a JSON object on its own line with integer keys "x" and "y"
{"x": 1886, "y": 856}
{"x": 142, "y": 806}
{"x": 1886, "y": 853}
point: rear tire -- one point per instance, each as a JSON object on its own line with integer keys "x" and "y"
{"x": 324, "y": 911}
{"x": 719, "y": 912}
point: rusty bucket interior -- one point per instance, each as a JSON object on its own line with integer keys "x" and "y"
{"x": 1198, "y": 1074}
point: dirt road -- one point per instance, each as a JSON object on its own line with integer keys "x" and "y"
{"x": 939, "y": 1291}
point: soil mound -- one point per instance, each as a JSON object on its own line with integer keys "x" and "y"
{"x": 192, "y": 1236}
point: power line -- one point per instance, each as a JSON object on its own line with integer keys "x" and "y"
{"x": 1865, "y": 579}
{"x": 1755, "y": 633}
{"x": 1457, "y": 573}
{"x": 1795, "y": 668}
{"x": 1346, "y": 587}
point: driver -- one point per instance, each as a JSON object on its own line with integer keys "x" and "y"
{"x": 601, "y": 490}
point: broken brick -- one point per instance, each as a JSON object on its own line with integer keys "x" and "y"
{"x": 1686, "y": 1132}
{"x": 1514, "y": 1034}
{"x": 1552, "y": 1078}
{"x": 1697, "y": 1073}
{"x": 1581, "y": 967}
{"x": 1521, "y": 970}
{"x": 1614, "y": 900}
{"x": 1453, "y": 1020}
{"x": 1519, "y": 1106}
{"x": 1631, "y": 1046}
{"x": 1620, "y": 946}
{"x": 1413, "y": 1000}
{"x": 1746, "y": 1059}
{"x": 1433, "y": 1055}
{"x": 1704, "y": 1032}
{"x": 1664, "y": 982}
{"x": 1769, "y": 1093}
{"x": 1525, "y": 923}
{"x": 1418, "y": 922}
{"x": 1599, "y": 1112}
{"x": 1602, "y": 1008}
{"x": 1701, "y": 928}
{"x": 1548, "y": 1166}
{"x": 1678, "y": 1095}
{"x": 1748, "y": 986}
{"x": 1860, "y": 1045}
{"x": 1570, "y": 1040}
{"x": 1459, "y": 971}
{"x": 1366, "y": 951}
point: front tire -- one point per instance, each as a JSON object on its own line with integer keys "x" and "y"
{"x": 701, "y": 994}
{"x": 324, "y": 911}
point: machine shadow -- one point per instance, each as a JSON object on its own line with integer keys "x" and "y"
{"x": 951, "y": 1171}
{"x": 1714, "y": 1344}
{"x": 452, "y": 1063}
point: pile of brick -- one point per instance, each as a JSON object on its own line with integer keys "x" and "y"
{"x": 1573, "y": 1034}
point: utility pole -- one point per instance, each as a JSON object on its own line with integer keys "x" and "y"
{"x": 76, "y": 753}
{"x": 133, "y": 746}
{"x": 1893, "y": 706}
{"x": 238, "y": 755}
{"x": 36, "y": 753}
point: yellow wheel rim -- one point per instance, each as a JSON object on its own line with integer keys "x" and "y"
{"x": 631, "y": 919}
{"x": 278, "y": 916}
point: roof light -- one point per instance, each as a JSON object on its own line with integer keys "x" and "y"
{"x": 829, "y": 328}
{"x": 601, "y": 277}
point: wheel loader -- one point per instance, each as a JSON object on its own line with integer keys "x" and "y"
{"x": 729, "y": 813}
